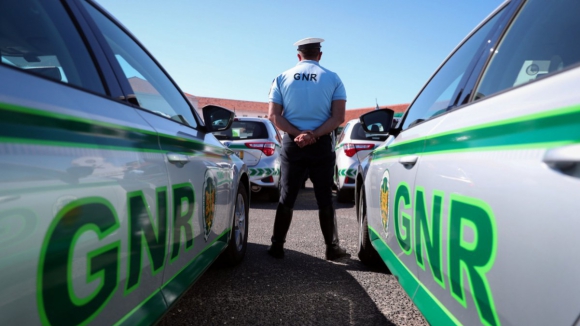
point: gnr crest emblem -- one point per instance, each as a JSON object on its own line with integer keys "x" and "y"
{"x": 209, "y": 192}
{"x": 384, "y": 200}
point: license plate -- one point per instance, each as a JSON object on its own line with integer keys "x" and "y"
{"x": 240, "y": 154}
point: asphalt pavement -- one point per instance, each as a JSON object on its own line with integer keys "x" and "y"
{"x": 301, "y": 289}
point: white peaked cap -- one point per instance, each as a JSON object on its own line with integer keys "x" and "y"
{"x": 309, "y": 40}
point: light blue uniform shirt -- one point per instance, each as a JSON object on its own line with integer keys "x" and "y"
{"x": 306, "y": 92}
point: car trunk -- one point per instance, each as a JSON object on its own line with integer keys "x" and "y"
{"x": 362, "y": 154}
{"x": 250, "y": 156}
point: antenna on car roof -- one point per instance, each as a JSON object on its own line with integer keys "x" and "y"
{"x": 377, "y": 107}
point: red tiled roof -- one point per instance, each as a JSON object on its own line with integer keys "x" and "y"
{"x": 262, "y": 107}
{"x": 140, "y": 85}
{"x": 235, "y": 105}
{"x": 259, "y": 108}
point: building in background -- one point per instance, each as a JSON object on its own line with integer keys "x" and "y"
{"x": 245, "y": 108}
{"x": 241, "y": 108}
{"x": 398, "y": 108}
{"x": 260, "y": 109}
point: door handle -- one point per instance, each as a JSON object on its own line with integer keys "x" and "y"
{"x": 562, "y": 158}
{"x": 178, "y": 159}
{"x": 409, "y": 160}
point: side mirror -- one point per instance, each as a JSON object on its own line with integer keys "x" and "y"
{"x": 217, "y": 118}
{"x": 378, "y": 121}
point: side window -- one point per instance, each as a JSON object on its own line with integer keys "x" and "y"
{"x": 39, "y": 37}
{"x": 153, "y": 89}
{"x": 541, "y": 40}
{"x": 436, "y": 97}
{"x": 358, "y": 132}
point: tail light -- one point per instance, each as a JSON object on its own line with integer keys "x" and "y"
{"x": 269, "y": 179}
{"x": 267, "y": 148}
{"x": 351, "y": 149}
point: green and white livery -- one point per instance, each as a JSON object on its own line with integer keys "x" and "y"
{"x": 483, "y": 176}
{"x": 352, "y": 146}
{"x": 102, "y": 178}
{"x": 258, "y": 143}
{"x": 266, "y": 172}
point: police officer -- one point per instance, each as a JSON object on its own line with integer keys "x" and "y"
{"x": 307, "y": 102}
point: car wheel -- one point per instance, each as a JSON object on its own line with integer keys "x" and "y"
{"x": 366, "y": 252}
{"x": 238, "y": 243}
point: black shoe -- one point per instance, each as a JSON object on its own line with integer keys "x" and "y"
{"x": 329, "y": 231}
{"x": 334, "y": 252}
{"x": 276, "y": 250}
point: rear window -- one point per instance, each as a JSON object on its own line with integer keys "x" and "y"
{"x": 244, "y": 130}
{"x": 358, "y": 133}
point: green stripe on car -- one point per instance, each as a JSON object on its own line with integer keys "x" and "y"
{"x": 30, "y": 126}
{"x": 347, "y": 172}
{"x": 541, "y": 130}
{"x": 175, "y": 286}
{"x": 263, "y": 172}
{"x": 433, "y": 310}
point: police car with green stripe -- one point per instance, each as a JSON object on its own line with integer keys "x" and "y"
{"x": 352, "y": 146}
{"x": 473, "y": 201}
{"x": 115, "y": 196}
{"x": 258, "y": 143}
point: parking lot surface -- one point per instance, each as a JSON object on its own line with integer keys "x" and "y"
{"x": 302, "y": 288}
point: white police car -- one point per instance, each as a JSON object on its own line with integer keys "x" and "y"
{"x": 114, "y": 196}
{"x": 258, "y": 143}
{"x": 473, "y": 201}
{"x": 352, "y": 146}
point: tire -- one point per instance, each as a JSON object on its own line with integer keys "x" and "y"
{"x": 366, "y": 252}
{"x": 238, "y": 242}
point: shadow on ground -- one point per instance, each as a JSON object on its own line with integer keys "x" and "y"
{"x": 305, "y": 201}
{"x": 297, "y": 290}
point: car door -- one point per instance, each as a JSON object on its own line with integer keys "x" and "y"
{"x": 201, "y": 171}
{"x": 501, "y": 175}
{"x": 71, "y": 154}
{"x": 397, "y": 196}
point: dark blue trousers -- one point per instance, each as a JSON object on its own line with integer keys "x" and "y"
{"x": 317, "y": 159}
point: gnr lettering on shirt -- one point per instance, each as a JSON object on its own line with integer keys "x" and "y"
{"x": 307, "y": 77}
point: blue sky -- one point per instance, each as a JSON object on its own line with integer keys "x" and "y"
{"x": 382, "y": 49}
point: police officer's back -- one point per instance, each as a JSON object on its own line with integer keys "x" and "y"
{"x": 307, "y": 102}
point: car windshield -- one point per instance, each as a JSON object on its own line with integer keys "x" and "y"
{"x": 32, "y": 38}
{"x": 358, "y": 133}
{"x": 244, "y": 130}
